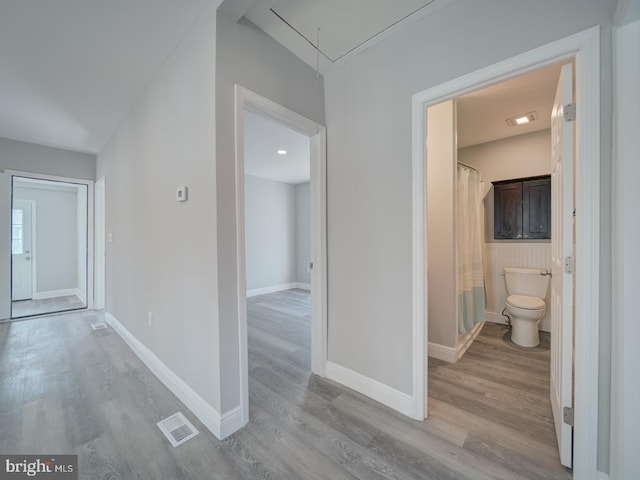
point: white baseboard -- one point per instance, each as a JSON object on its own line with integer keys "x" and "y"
{"x": 380, "y": 392}
{"x": 453, "y": 354}
{"x": 220, "y": 425}
{"x": 275, "y": 288}
{"x": 493, "y": 317}
{"x": 231, "y": 421}
{"x": 81, "y": 296}
{"x": 442, "y": 352}
{"x": 57, "y": 293}
{"x": 468, "y": 340}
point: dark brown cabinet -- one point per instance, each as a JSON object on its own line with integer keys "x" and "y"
{"x": 522, "y": 209}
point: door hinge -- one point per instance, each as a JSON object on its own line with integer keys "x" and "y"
{"x": 569, "y": 264}
{"x": 567, "y": 415}
{"x": 570, "y": 112}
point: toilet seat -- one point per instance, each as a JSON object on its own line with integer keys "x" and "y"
{"x": 525, "y": 302}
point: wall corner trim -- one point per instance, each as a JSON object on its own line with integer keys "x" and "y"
{"x": 380, "y": 392}
{"x": 220, "y": 425}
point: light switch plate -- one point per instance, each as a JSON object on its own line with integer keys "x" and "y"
{"x": 181, "y": 194}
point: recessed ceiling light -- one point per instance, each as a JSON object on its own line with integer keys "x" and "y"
{"x": 282, "y": 152}
{"x": 522, "y": 119}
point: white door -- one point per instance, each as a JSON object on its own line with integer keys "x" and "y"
{"x": 562, "y": 262}
{"x": 21, "y": 251}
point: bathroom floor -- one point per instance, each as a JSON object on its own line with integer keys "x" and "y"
{"x": 499, "y": 393}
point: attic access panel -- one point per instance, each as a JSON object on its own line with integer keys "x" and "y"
{"x": 344, "y": 25}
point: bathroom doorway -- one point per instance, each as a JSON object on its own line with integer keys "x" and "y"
{"x": 583, "y": 47}
{"x": 501, "y": 135}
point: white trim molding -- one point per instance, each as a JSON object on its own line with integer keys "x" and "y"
{"x": 247, "y": 100}
{"x": 453, "y": 354}
{"x": 442, "y": 352}
{"x": 624, "y": 460}
{"x": 584, "y": 47}
{"x": 254, "y": 292}
{"x": 90, "y": 224}
{"x": 380, "y": 392}
{"x": 57, "y": 293}
{"x": 220, "y": 425}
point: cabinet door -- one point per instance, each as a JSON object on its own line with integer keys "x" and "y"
{"x": 536, "y": 212}
{"x": 507, "y": 210}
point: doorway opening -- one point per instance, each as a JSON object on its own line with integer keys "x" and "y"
{"x": 584, "y": 47}
{"x": 51, "y": 245}
{"x": 255, "y": 117}
{"x": 491, "y": 245}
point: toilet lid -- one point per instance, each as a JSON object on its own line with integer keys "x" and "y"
{"x": 526, "y": 302}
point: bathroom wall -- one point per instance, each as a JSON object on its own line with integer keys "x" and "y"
{"x": 441, "y": 247}
{"x": 521, "y": 156}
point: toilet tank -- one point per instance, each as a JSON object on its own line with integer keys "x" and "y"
{"x": 526, "y": 281}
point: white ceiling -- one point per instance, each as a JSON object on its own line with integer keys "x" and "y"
{"x": 263, "y": 138}
{"x": 349, "y": 26}
{"x": 346, "y": 26}
{"x": 71, "y": 69}
{"x": 482, "y": 115}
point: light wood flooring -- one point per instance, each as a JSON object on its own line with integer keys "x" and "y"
{"x": 28, "y": 308}
{"x": 65, "y": 388}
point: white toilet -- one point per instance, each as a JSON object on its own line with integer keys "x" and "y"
{"x": 526, "y": 289}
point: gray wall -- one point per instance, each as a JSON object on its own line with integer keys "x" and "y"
{"x": 527, "y": 155}
{"x": 247, "y": 56}
{"x": 368, "y": 109}
{"x": 277, "y": 232}
{"x": 57, "y": 236}
{"x": 270, "y": 232}
{"x": 163, "y": 255}
{"x": 441, "y": 228}
{"x": 28, "y": 157}
{"x": 303, "y": 233}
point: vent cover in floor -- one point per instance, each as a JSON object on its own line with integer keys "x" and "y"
{"x": 99, "y": 326}
{"x": 177, "y": 429}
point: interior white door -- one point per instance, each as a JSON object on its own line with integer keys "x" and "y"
{"x": 21, "y": 251}
{"x": 562, "y": 260}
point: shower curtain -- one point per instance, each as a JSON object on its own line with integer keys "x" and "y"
{"x": 471, "y": 294}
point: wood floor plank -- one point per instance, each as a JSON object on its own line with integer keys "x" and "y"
{"x": 488, "y": 414}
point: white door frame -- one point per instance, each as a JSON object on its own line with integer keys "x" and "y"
{"x": 318, "y": 187}
{"x": 625, "y": 356}
{"x": 90, "y": 232}
{"x": 585, "y": 48}
{"x": 99, "y": 232}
